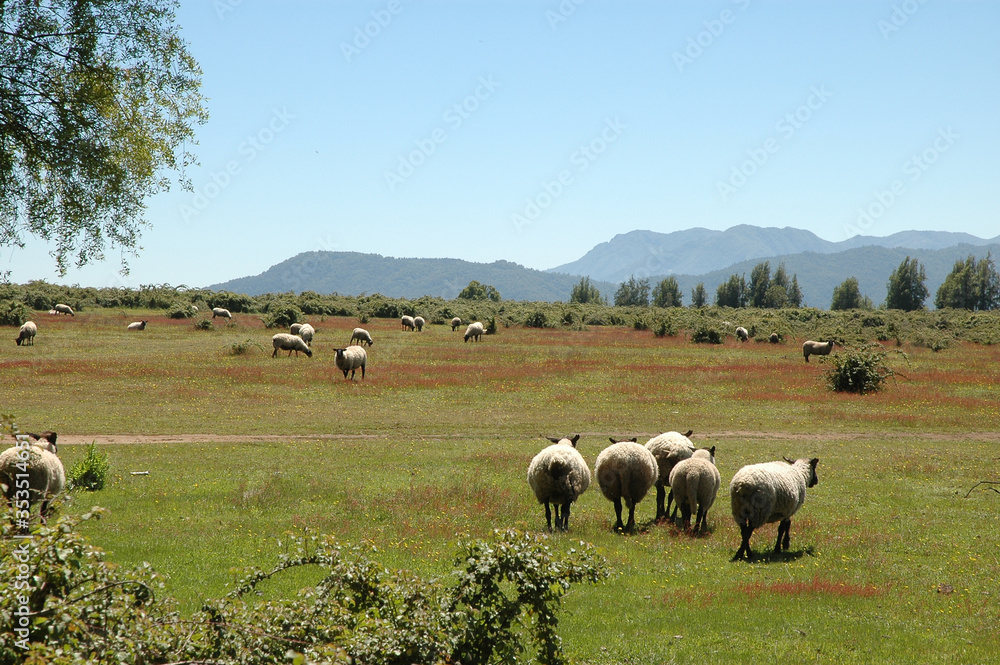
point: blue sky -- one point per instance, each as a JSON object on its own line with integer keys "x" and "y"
{"x": 532, "y": 131}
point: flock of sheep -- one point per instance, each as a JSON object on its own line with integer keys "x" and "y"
{"x": 759, "y": 493}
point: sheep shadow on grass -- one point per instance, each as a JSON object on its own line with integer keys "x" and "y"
{"x": 779, "y": 557}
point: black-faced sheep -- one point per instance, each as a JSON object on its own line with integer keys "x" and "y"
{"x": 668, "y": 448}
{"x": 408, "y": 323}
{"x": 419, "y": 322}
{"x": 362, "y": 336}
{"x": 474, "y": 331}
{"x": 694, "y": 482}
{"x": 558, "y": 475}
{"x": 26, "y": 334}
{"x": 811, "y": 348}
{"x": 774, "y": 338}
{"x": 455, "y": 323}
{"x": 62, "y": 308}
{"x": 137, "y": 325}
{"x": 769, "y": 492}
{"x": 287, "y": 342}
{"x": 625, "y": 471}
{"x": 351, "y": 359}
{"x": 742, "y": 334}
{"x": 306, "y": 332}
{"x": 43, "y": 478}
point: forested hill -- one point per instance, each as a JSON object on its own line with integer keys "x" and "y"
{"x": 352, "y": 273}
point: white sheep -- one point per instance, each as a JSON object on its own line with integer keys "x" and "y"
{"x": 63, "y": 309}
{"x": 294, "y": 328}
{"x": 559, "y": 475}
{"x": 811, "y": 348}
{"x": 742, "y": 334}
{"x": 408, "y": 323}
{"x": 221, "y": 312}
{"x": 668, "y": 448}
{"x": 52, "y": 311}
{"x": 362, "y": 336}
{"x": 419, "y": 322}
{"x": 26, "y": 334}
{"x": 306, "y": 332}
{"x": 774, "y": 338}
{"x": 694, "y": 482}
{"x": 474, "y": 331}
{"x": 769, "y": 492}
{"x": 351, "y": 359}
{"x": 625, "y": 471}
{"x": 137, "y": 325}
{"x": 287, "y": 342}
{"x": 43, "y": 478}
{"x": 455, "y": 323}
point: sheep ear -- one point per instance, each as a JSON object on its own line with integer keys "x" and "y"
{"x": 813, "y": 462}
{"x": 787, "y": 460}
{"x": 689, "y": 432}
{"x": 574, "y": 439}
{"x": 553, "y": 439}
{"x": 712, "y": 451}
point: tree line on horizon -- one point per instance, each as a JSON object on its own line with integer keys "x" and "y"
{"x": 972, "y": 284}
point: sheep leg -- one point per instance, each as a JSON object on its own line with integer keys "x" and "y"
{"x": 744, "y": 552}
{"x": 783, "y": 527}
{"x": 686, "y": 515}
{"x": 618, "y": 512}
{"x": 548, "y": 516}
{"x": 630, "y": 527}
{"x": 661, "y": 494}
{"x": 699, "y": 522}
{"x": 565, "y": 517}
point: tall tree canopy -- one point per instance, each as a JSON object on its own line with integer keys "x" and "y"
{"x": 98, "y": 102}
{"x": 633, "y": 292}
{"x": 477, "y": 291}
{"x": 971, "y": 284}
{"x": 906, "y": 289}
{"x": 848, "y": 296}
{"x": 698, "y": 296}
{"x": 667, "y": 293}
{"x": 586, "y": 292}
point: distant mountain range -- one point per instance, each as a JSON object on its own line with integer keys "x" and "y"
{"x": 692, "y": 256}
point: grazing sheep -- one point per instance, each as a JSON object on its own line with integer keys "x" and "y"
{"x": 46, "y": 476}
{"x": 294, "y": 328}
{"x": 286, "y": 342}
{"x": 742, "y": 334}
{"x": 769, "y": 492}
{"x": 668, "y": 448}
{"x": 137, "y": 325}
{"x": 408, "y": 323}
{"x": 774, "y": 338}
{"x": 811, "y": 348}
{"x": 474, "y": 331}
{"x": 48, "y": 435}
{"x": 52, "y": 311}
{"x": 625, "y": 471}
{"x": 558, "y": 475}
{"x": 362, "y": 336}
{"x": 350, "y": 359}
{"x": 419, "y": 322}
{"x": 26, "y": 334}
{"x": 63, "y": 309}
{"x": 221, "y": 312}
{"x": 455, "y": 323}
{"x": 306, "y": 332}
{"x": 694, "y": 482}
{"x": 194, "y": 308}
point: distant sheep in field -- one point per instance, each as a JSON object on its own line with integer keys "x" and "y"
{"x": 362, "y": 336}
{"x": 221, "y": 312}
{"x": 694, "y": 482}
{"x": 62, "y": 308}
{"x": 137, "y": 325}
{"x": 306, "y": 332}
{"x": 455, "y": 323}
{"x": 351, "y": 359}
{"x": 474, "y": 331}
{"x": 625, "y": 471}
{"x": 26, "y": 334}
{"x": 769, "y": 492}
{"x": 287, "y": 342}
{"x": 46, "y": 475}
{"x": 408, "y": 323}
{"x": 668, "y": 448}
{"x": 742, "y": 334}
{"x": 419, "y": 322}
{"x": 294, "y": 328}
{"x": 811, "y": 348}
{"x": 774, "y": 338}
{"x": 52, "y": 311}
{"x": 558, "y": 475}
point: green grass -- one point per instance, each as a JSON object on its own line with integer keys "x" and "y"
{"x": 889, "y": 561}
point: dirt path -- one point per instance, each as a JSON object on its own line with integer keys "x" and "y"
{"x": 76, "y": 439}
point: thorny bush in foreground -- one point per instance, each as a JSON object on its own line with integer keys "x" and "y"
{"x": 61, "y": 603}
{"x": 859, "y": 370}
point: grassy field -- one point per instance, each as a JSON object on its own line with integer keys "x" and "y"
{"x": 889, "y": 561}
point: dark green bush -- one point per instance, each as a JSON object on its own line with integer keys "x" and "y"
{"x": 180, "y": 311}
{"x": 536, "y": 319}
{"x": 860, "y": 369}
{"x": 14, "y": 313}
{"x": 204, "y": 324}
{"x": 665, "y": 328}
{"x": 705, "y": 334}
{"x": 282, "y": 315}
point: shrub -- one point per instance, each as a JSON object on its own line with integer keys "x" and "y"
{"x": 859, "y": 370}
{"x": 204, "y": 324}
{"x": 282, "y": 315}
{"x": 501, "y": 609}
{"x": 705, "y": 334}
{"x": 491, "y": 326}
{"x": 665, "y": 328}
{"x": 14, "y": 313}
{"x": 640, "y": 323}
{"x": 180, "y": 311}
{"x": 536, "y": 319}
{"x": 243, "y": 348}
{"x": 91, "y": 472}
